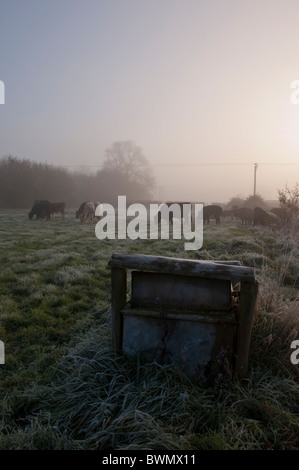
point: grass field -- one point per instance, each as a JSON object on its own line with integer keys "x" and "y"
{"x": 61, "y": 386}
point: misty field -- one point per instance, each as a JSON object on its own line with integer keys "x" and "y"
{"x": 63, "y": 388}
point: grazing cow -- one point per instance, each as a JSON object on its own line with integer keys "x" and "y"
{"x": 245, "y": 214}
{"x": 212, "y": 211}
{"x": 44, "y": 209}
{"x": 80, "y": 210}
{"x": 40, "y": 210}
{"x": 97, "y": 205}
{"x": 55, "y": 207}
{"x": 262, "y": 217}
{"x": 86, "y": 211}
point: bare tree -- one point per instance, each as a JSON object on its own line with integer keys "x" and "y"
{"x": 255, "y": 200}
{"x": 235, "y": 202}
{"x": 128, "y": 159}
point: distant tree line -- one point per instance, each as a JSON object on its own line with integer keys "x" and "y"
{"x": 251, "y": 202}
{"x": 125, "y": 172}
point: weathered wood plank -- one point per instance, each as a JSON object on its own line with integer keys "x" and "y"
{"x": 174, "y": 291}
{"x": 185, "y": 267}
{"x": 187, "y": 316}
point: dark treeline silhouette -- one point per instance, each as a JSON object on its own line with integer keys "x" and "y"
{"x": 23, "y": 181}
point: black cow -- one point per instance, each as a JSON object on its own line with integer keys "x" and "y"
{"x": 262, "y": 217}
{"x": 212, "y": 211}
{"x": 41, "y": 210}
{"x": 245, "y": 214}
{"x": 45, "y": 209}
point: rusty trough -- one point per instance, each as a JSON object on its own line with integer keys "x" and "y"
{"x": 198, "y": 314}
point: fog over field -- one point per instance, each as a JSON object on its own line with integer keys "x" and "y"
{"x": 124, "y": 328}
{"x": 204, "y": 88}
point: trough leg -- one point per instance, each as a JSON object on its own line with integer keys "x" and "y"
{"x": 118, "y": 300}
{"x": 248, "y": 296}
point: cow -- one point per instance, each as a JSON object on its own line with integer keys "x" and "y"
{"x": 212, "y": 211}
{"x": 86, "y": 211}
{"x": 245, "y": 214}
{"x": 80, "y": 210}
{"x": 40, "y": 209}
{"x": 98, "y": 208}
{"x": 262, "y": 217}
{"x": 44, "y": 209}
{"x": 55, "y": 207}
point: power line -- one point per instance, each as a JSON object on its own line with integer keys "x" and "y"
{"x": 200, "y": 164}
{"x": 225, "y": 164}
{"x": 193, "y": 164}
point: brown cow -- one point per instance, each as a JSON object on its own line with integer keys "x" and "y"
{"x": 55, "y": 207}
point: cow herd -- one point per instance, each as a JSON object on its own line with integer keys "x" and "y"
{"x": 43, "y": 209}
{"x": 256, "y": 216}
{"x": 90, "y": 210}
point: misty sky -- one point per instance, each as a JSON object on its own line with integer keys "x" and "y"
{"x": 203, "y": 87}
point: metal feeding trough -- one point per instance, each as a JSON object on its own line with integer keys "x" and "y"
{"x": 198, "y": 314}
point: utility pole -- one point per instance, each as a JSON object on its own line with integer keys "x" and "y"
{"x": 254, "y": 185}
